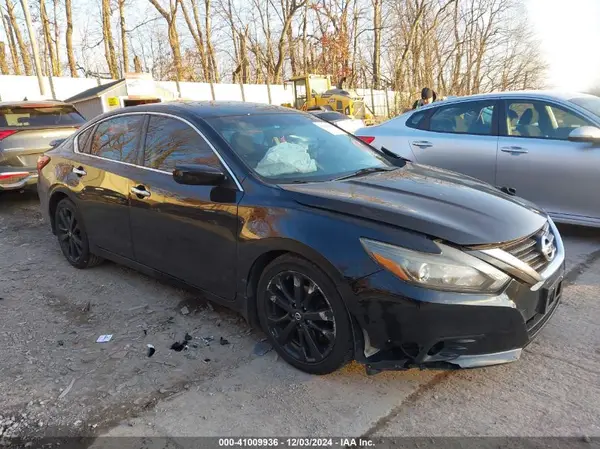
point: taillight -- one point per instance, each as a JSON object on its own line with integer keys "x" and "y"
{"x": 367, "y": 139}
{"x": 42, "y": 162}
{"x": 8, "y": 132}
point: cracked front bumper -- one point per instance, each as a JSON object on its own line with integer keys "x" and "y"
{"x": 405, "y": 326}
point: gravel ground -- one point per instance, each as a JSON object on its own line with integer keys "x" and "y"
{"x": 56, "y": 380}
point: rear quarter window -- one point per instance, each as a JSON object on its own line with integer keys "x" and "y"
{"x": 415, "y": 120}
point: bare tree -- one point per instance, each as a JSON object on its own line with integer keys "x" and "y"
{"x": 195, "y": 28}
{"x": 11, "y": 44}
{"x": 3, "y": 64}
{"x": 137, "y": 64}
{"x": 377, "y": 5}
{"x": 124, "y": 47}
{"x": 54, "y": 64}
{"x": 170, "y": 17}
{"x": 109, "y": 45}
{"x": 214, "y": 69}
{"x": 69, "y": 39}
{"x": 20, "y": 41}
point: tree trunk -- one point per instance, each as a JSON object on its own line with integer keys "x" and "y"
{"x": 69, "y": 38}
{"x": 20, "y": 41}
{"x": 109, "y": 46}
{"x": 291, "y": 50}
{"x": 57, "y": 39}
{"x": 175, "y": 48}
{"x": 376, "y": 43}
{"x": 54, "y": 67}
{"x": 124, "y": 47}
{"x": 137, "y": 64}
{"x": 196, "y": 32}
{"x": 211, "y": 51}
{"x": 3, "y": 64}
{"x": 11, "y": 44}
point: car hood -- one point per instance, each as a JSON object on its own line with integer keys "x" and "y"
{"x": 436, "y": 202}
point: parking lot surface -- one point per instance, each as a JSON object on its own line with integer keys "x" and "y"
{"x": 56, "y": 379}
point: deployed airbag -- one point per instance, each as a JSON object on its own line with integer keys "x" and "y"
{"x": 286, "y": 158}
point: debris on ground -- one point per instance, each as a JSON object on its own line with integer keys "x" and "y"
{"x": 188, "y": 337}
{"x": 262, "y": 347}
{"x": 185, "y": 310}
{"x": 207, "y": 340}
{"x": 207, "y": 360}
{"x": 178, "y": 347}
{"x": 87, "y": 307}
{"x": 60, "y": 343}
{"x": 223, "y": 341}
{"x": 151, "y": 350}
{"x": 104, "y": 338}
{"x": 210, "y": 307}
{"x": 66, "y": 390}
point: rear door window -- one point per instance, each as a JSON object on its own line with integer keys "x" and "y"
{"x": 415, "y": 120}
{"x": 41, "y": 116}
{"x": 473, "y": 117}
{"x": 170, "y": 142}
{"x": 118, "y": 139}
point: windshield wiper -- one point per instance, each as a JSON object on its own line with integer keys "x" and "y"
{"x": 365, "y": 171}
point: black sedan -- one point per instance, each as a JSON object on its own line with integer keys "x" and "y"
{"x": 338, "y": 251}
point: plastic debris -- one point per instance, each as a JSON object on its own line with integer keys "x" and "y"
{"x": 151, "y": 350}
{"x": 223, "y": 341}
{"x": 104, "y": 338}
{"x": 206, "y": 360}
{"x": 185, "y": 310}
{"x": 262, "y": 347}
{"x": 60, "y": 343}
{"x": 66, "y": 390}
{"x": 207, "y": 340}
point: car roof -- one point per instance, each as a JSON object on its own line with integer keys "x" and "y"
{"x": 540, "y": 94}
{"x": 206, "y": 109}
{"x": 33, "y": 104}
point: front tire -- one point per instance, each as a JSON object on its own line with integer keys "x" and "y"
{"x": 72, "y": 237}
{"x": 303, "y": 315}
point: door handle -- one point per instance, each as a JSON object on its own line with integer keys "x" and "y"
{"x": 514, "y": 150}
{"x": 422, "y": 144}
{"x": 79, "y": 171}
{"x": 140, "y": 191}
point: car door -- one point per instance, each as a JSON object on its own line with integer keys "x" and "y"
{"x": 186, "y": 231}
{"x": 461, "y": 137}
{"x": 537, "y": 159}
{"x": 103, "y": 164}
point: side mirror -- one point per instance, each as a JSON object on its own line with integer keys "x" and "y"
{"x": 198, "y": 175}
{"x": 585, "y": 134}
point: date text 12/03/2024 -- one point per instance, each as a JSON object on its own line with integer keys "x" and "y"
{"x": 296, "y": 442}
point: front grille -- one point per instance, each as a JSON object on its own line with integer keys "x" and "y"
{"x": 529, "y": 249}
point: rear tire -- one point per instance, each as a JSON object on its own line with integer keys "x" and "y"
{"x": 304, "y": 316}
{"x": 72, "y": 236}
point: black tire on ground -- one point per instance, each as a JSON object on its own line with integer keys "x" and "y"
{"x": 331, "y": 337}
{"x": 72, "y": 236}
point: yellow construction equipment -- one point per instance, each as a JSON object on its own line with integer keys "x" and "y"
{"x": 315, "y": 92}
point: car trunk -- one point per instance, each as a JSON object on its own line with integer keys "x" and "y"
{"x": 27, "y": 131}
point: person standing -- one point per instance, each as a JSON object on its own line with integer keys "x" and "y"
{"x": 427, "y": 96}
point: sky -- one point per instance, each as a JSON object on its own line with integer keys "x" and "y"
{"x": 569, "y": 34}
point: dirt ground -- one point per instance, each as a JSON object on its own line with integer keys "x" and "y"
{"x": 55, "y": 379}
{"x": 52, "y": 316}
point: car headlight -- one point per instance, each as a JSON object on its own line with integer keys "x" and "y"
{"x": 452, "y": 270}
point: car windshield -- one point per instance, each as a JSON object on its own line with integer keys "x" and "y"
{"x": 288, "y": 147}
{"x": 589, "y": 102}
{"x": 36, "y": 116}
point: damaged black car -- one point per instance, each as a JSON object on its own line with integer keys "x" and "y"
{"x": 336, "y": 250}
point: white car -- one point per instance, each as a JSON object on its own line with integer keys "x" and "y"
{"x": 348, "y": 124}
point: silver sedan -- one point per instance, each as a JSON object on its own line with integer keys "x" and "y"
{"x": 544, "y": 145}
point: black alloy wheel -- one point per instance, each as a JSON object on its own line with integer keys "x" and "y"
{"x": 69, "y": 234}
{"x": 304, "y": 316}
{"x": 72, "y": 236}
